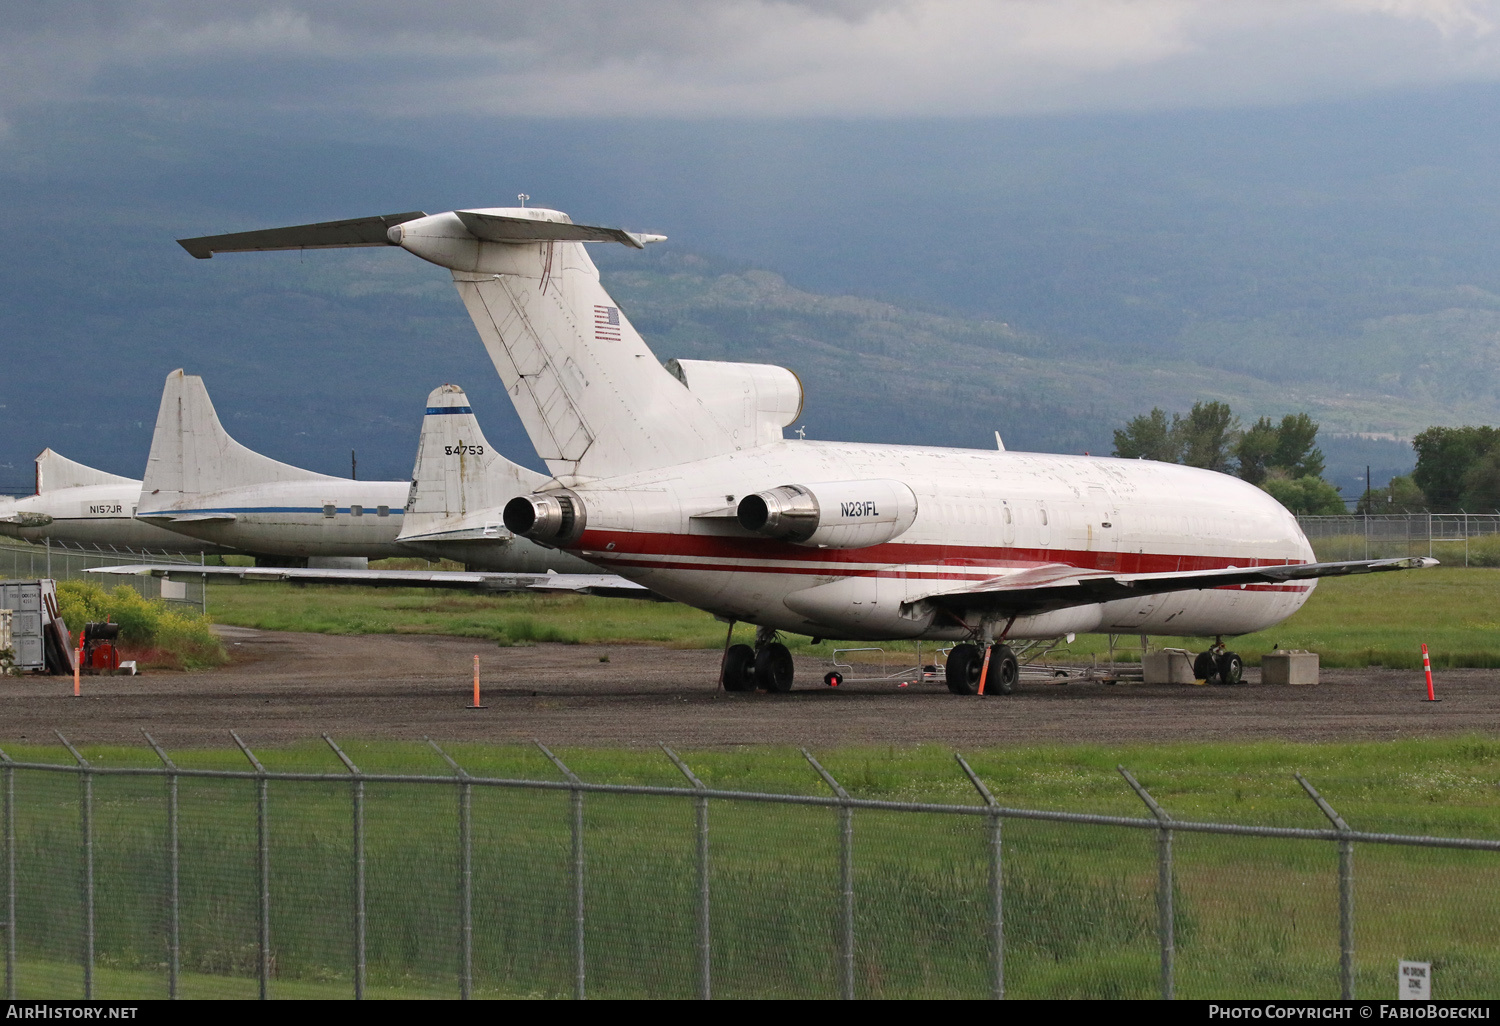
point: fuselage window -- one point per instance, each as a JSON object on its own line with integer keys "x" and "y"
{"x": 357, "y": 511}
{"x": 329, "y": 509}
{"x": 1044, "y": 516}
{"x": 382, "y": 511}
{"x": 1007, "y": 514}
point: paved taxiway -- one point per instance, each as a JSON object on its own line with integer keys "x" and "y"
{"x": 284, "y": 687}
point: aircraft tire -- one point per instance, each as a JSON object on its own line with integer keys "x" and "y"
{"x": 1206, "y": 668}
{"x": 739, "y": 668}
{"x": 773, "y": 668}
{"x": 1004, "y": 671}
{"x": 1231, "y": 668}
{"x": 964, "y": 665}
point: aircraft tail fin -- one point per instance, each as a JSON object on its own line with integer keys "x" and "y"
{"x": 54, "y": 472}
{"x": 459, "y": 482}
{"x": 192, "y": 455}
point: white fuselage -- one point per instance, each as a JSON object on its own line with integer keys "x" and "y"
{"x": 98, "y": 516}
{"x": 292, "y": 518}
{"x": 332, "y": 517}
{"x": 980, "y": 515}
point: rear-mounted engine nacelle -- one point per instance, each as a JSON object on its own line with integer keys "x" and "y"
{"x": 832, "y": 514}
{"x": 549, "y": 518}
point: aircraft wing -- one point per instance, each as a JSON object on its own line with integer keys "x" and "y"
{"x": 26, "y": 519}
{"x": 463, "y": 580}
{"x": 1058, "y": 586}
{"x": 357, "y": 231}
{"x": 185, "y": 518}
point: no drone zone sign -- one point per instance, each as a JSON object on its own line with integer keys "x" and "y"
{"x": 1414, "y": 980}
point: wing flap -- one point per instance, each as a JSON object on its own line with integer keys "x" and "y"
{"x": 356, "y": 231}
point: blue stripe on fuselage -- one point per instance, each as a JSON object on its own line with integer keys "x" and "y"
{"x": 438, "y": 410}
{"x": 369, "y": 511}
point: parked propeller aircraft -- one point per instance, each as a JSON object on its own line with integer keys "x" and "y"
{"x": 79, "y": 507}
{"x": 679, "y": 478}
{"x": 201, "y": 482}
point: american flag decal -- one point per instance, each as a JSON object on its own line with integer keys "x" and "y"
{"x": 607, "y": 323}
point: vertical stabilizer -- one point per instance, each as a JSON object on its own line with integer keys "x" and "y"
{"x": 54, "y": 472}
{"x": 459, "y": 483}
{"x": 595, "y": 401}
{"x": 192, "y": 455}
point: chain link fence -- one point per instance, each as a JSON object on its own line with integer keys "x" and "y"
{"x": 1458, "y": 539}
{"x": 21, "y": 560}
{"x": 174, "y": 881}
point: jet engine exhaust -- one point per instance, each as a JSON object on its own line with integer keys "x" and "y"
{"x": 554, "y": 518}
{"x": 830, "y": 514}
{"x": 790, "y": 513}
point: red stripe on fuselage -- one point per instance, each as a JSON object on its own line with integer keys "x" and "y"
{"x": 619, "y": 545}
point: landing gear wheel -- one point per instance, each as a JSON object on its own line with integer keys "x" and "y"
{"x": 964, "y": 664}
{"x": 1004, "y": 671}
{"x": 1231, "y": 668}
{"x": 739, "y": 668}
{"x": 1206, "y": 667}
{"x": 833, "y": 678}
{"x": 773, "y": 668}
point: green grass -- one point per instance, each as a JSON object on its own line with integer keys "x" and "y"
{"x": 1255, "y": 918}
{"x": 152, "y": 632}
{"x": 1378, "y": 619}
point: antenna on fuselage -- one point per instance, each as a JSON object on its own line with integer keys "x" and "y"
{"x": 522, "y": 197}
{"x": 999, "y": 444}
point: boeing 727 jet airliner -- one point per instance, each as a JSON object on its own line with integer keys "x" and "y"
{"x": 678, "y": 477}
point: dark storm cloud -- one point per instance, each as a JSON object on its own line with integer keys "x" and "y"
{"x": 739, "y": 57}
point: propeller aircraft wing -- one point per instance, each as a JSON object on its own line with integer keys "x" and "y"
{"x": 461, "y": 580}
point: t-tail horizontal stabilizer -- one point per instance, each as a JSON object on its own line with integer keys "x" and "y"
{"x": 355, "y": 232}
{"x": 378, "y": 231}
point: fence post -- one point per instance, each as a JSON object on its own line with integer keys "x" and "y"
{"x": 577, "y": 800}
{"x": 263, "y": 865}
{"x": 1166, "y": 925}
{"x": 705, "y": 949}
{"x": 86, "y": 824}
{"x": 10, "y": 877}
{"x": 358, "y": 786}
{"x": 466, "y": 877}
{"x": 174, "y": 921}
{"x": 997, "y": 882}
{"x": 846, "y": 873}
{"x": 1346, "y": 889}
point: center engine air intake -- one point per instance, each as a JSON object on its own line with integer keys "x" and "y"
{"x": 549, "y": 518}
{"x": 831, "y": 514}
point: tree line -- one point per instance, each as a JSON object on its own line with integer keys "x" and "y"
{"x": 1281, "y": 458}
{"x": 1458, "y": 468}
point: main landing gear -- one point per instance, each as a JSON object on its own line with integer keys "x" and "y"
{"x": 1218, "y": 666}
{"x": 766, "y": 667}
{"x": 966, "y": 668}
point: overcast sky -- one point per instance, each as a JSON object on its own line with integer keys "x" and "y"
{"x": 736, "y": 57}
